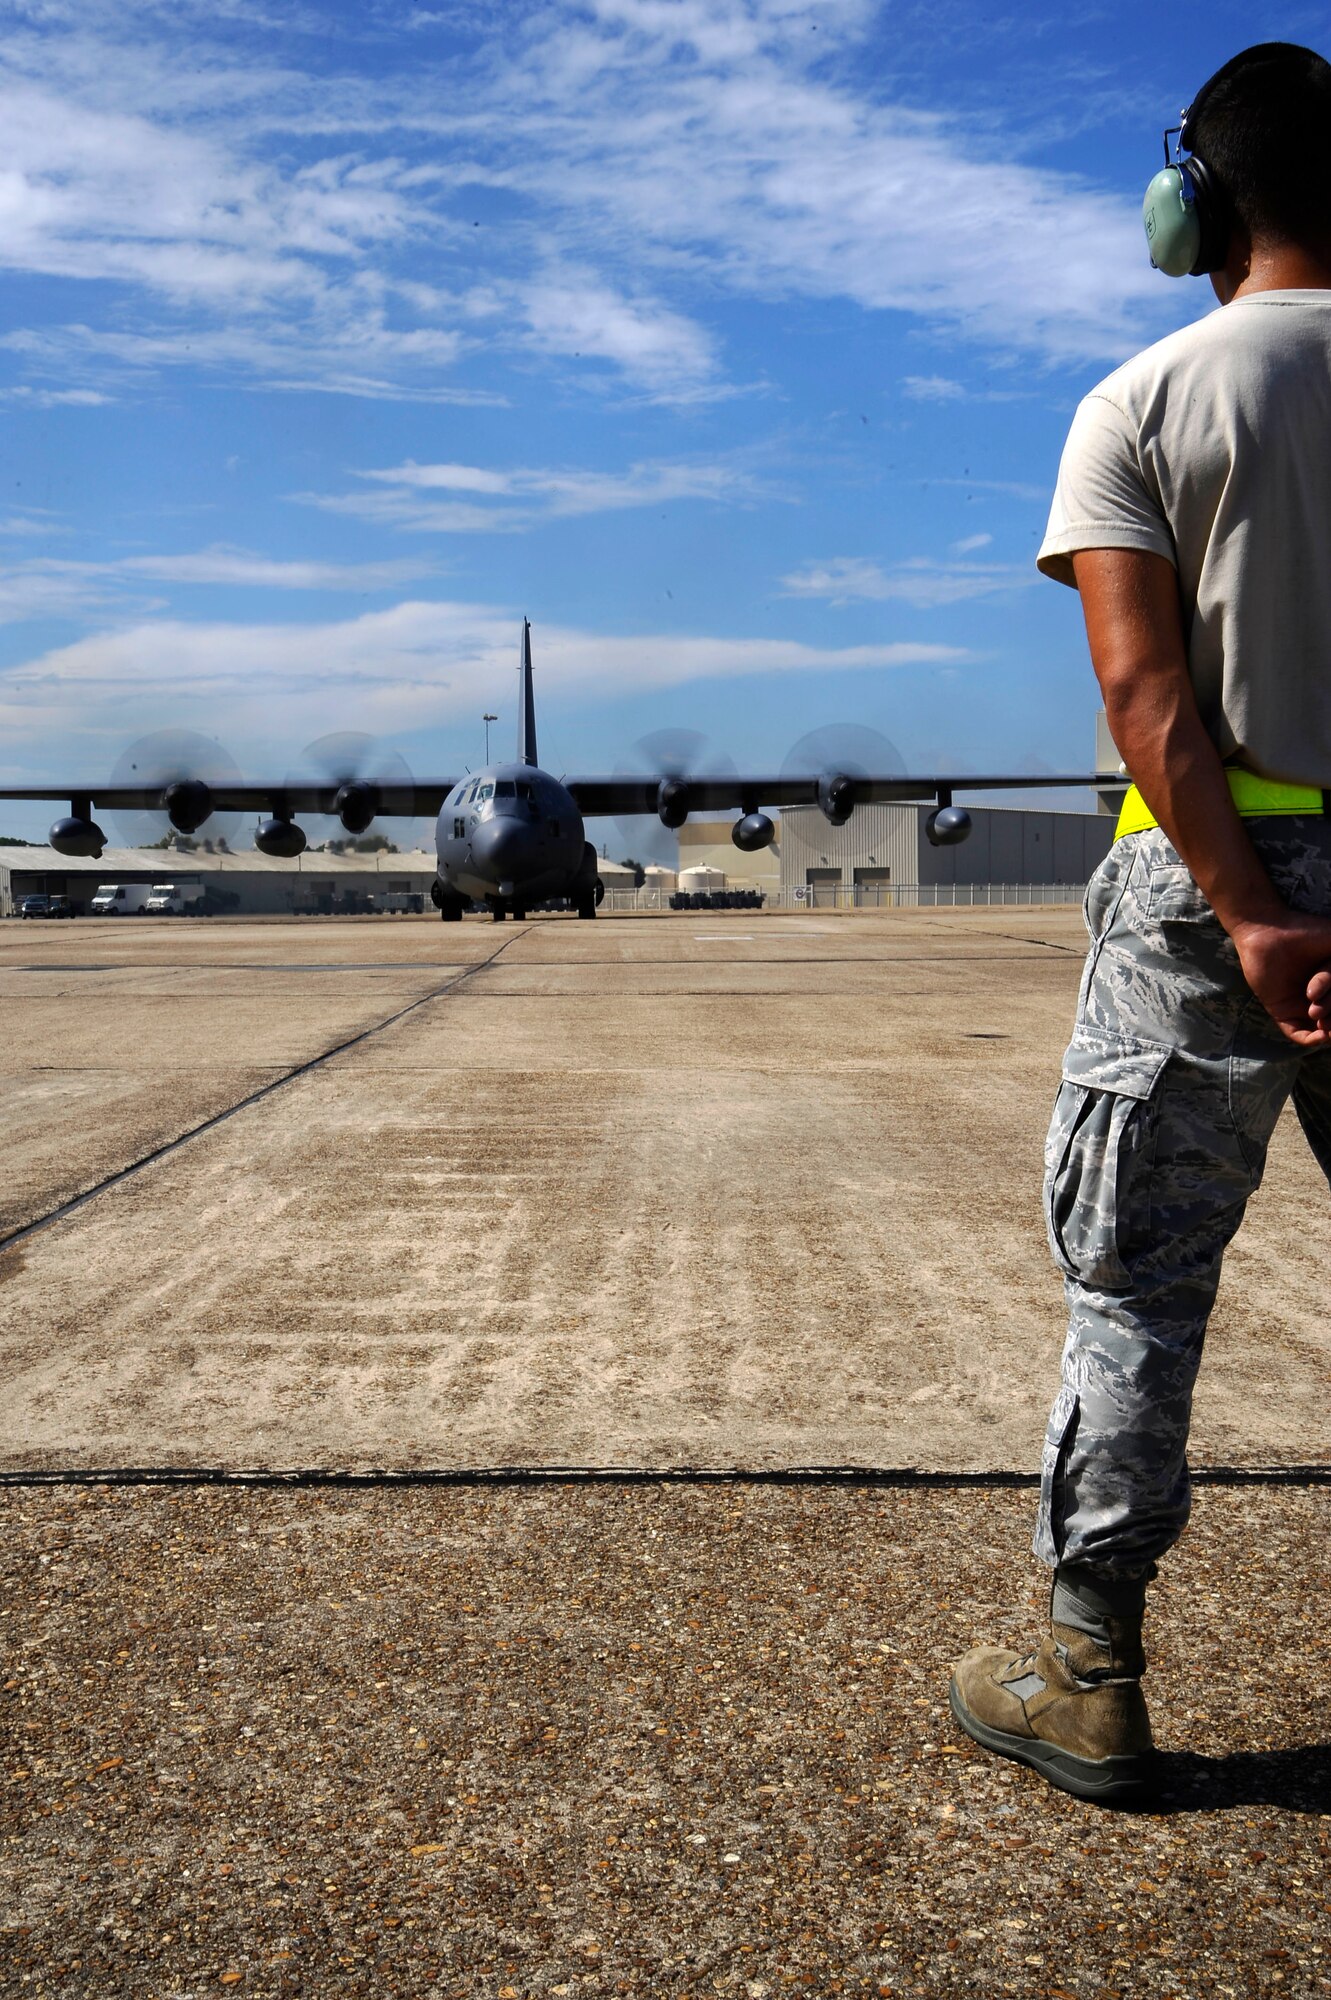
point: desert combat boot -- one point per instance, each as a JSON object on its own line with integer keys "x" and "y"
{"x": 1074, "y": 1710}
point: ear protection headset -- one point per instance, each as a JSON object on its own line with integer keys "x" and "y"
{"x": 1185, "y": 212}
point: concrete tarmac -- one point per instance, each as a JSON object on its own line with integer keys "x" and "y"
{"x": 730, "y": 1190}
{"x": 718, "y": 1191}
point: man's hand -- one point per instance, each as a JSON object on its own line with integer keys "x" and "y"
{"x": 1286, "y": 964}
{"x": 1134, "y": 625}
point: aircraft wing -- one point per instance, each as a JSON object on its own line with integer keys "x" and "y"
{"x": 701, "y": 793}
{"x": 595, "y": 797}
{"x": 413, "y": 801}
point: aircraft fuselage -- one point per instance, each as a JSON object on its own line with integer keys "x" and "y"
{"x": 511, "y": 836}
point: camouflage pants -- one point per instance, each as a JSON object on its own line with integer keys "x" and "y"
{"x": 1171, "y": 1088}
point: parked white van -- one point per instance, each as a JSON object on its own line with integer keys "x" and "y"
{"x": 120, "y": 899}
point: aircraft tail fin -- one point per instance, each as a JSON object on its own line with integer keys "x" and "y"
{"x": 526, "y": 701}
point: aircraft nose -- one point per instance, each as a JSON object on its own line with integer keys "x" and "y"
{"x": 500, "y": 848}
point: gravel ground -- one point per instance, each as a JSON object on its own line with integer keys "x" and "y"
{"x": 613, "y": 1739}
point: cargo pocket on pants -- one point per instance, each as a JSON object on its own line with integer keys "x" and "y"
{"x": 1100, "y": 1154}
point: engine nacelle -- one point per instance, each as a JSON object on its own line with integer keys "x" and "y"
{"x": 356, "y": 805}
{"x": 753, "y": 832}
{"x": 187, "y": 803}
{"x": 280, "y": 837}
{"x": 836, "y": 798}
{"x": 672, "y": 802}
{"x": 948, "y": 827}
{"x": 77, "y": 835}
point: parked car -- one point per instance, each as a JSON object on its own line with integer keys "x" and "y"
{"x": 46, "y": 906}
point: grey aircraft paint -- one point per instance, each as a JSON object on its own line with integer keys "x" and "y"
{"x": 512, "y": 836}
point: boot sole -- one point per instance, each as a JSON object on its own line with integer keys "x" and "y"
{"x": 1106, "y": 1781}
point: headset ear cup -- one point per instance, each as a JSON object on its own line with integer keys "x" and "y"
{"x": 1212, "y": 212}
{"x": 1173, "y": 227}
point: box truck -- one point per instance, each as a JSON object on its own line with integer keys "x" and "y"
{"x": 176, "y": 899}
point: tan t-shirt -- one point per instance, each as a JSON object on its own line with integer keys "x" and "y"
{"x": 1213, "y": 448}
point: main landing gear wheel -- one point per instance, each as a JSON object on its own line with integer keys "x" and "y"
{"x": 519, "y": 916}
{"x": 499, "y": 913}
{"x": 587, "y": 909}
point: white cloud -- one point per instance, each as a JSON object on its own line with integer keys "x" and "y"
{"x": 919, "y": 581}
{"x": 50, "y": 591}
{"x": 402, "y": 496}
{"x": 442, "y": 478}
{"x": 32, "y": 522}
{"x": 51, "y": 399}
{"x": 398, "y": 671}
{"x": 573, "y": 313}
{"x": 1012, "y": 489}
{"x": 52, "y": 587}
{"x": 401, "y": 508}
{"x": 715, "y": 138}
{"x": 648, "y": 157}
{"x": 932, "y": 388}
{"x": 223, "y": 565}
{"x": 336, "y": 361}
{"x": 969, "y": 544}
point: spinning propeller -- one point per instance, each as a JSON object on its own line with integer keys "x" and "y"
{"x": 836, "y": 755}
{"x": 843, "y": 752}
{"x": 674, "y": 756}
{"x": 183, "y": 768}
{"x": 363, "y": 776}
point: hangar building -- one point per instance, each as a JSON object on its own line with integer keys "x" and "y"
{"x": 244, "y": 883}
{"x": 883, "y": 848}
{"x": 247, "y": 882}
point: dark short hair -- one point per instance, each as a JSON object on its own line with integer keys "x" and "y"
{"x": 1263, "y": 126}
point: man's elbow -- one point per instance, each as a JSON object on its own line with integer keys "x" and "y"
{"x": 1137, "y": 695}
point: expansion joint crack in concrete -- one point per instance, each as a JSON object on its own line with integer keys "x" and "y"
{"x": 1046, "y": 944}
{"x": 888, "y": 1477}
{"x": 289, "y": 1076}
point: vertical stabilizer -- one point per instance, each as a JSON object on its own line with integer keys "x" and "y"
{"x": 526, "y": 701}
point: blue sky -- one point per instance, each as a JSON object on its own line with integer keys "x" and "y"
{"x": 731, "y": 341}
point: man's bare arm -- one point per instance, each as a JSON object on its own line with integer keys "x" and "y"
{"x": 1135, "y": 630}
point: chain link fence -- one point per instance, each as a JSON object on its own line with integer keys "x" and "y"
{"x": 880, "y": 896}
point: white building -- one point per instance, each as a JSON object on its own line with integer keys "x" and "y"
{"x": 883, "y": 848}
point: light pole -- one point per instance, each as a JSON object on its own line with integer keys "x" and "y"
{"x": 487, "y": 720}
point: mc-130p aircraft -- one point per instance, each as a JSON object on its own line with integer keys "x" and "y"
{"x": 511, "y": 836}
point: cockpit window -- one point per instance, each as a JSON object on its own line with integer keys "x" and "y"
{"x": 525, "y": 790}
{"x": 504, "y": 788}
{"x": 486, "y": 792}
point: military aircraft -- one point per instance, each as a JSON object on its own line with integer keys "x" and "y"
{"x": 511, "y": 836}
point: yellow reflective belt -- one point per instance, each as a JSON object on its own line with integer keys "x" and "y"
{"x": 1254, "y": 797}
